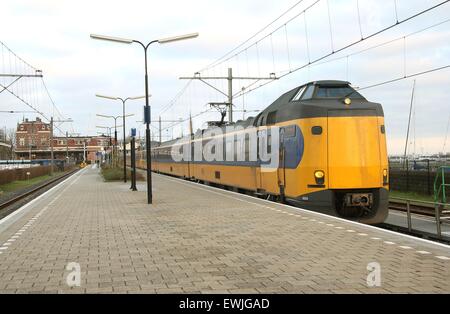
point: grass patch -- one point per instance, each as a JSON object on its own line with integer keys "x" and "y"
{"x": 111, "y": 174}
{"x": 21, "y": 184}
{"x": 412, "y": 196}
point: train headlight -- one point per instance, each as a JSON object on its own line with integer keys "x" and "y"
{"x": 319, "y": 175}
{"x": 385, "y": 177}
{"x": 347, "y": 101}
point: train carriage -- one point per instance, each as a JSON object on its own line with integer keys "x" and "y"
{"x": 332, "y": 153}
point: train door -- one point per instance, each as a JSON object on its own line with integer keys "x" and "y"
{"x": 258, "y": 183}
{"x": 281, "y": 171}
{"x": 266, "y": 173}
{"x": 191, "y": 159}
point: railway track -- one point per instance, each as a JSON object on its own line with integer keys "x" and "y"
{"x": 29, "y": 195}
{"x": 414, "y": 208}
{"x": 422, "y": 210}
{"x": 416, "y": 233}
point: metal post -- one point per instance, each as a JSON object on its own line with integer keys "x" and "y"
{"x": 67, "y": 148}
{"x": 408, "y": 214}
{"x": 409, "y": 122}
{"x": 407, "y": 176}
{"x": 133, "y": 164}
{"x": 438, "y": 219}
{"x": 115, "y": 140}
{"x": 160, "y": 129}
{"x": 110, "y": 146}
{"x": 84, "y": 151}
{"x": 51, "y": 145}
{"x": 230, "y": 79}
{"x": 108, "y": 158}
{"x": 147, "y": 135}
{"x": 30, "y": 140}
{"x": 444, "y": 193}
{"x": 428, "y": 177}
{"x": 230, "y": 94}
{"x": 124, "y": 145}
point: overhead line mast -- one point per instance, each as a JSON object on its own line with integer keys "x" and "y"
{"x": 230, "y": 79}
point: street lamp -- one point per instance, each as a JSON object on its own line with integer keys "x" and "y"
{"x": 124, "y": 132}
{"x": 147, "y": 107}
{"x": 109, "y": 131}
{"x": 115, "y": 133}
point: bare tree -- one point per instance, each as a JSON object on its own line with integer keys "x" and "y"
{"x": 11, "y": 140}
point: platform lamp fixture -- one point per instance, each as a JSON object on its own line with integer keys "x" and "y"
{"x": 109, "y": 131}
{"x": 115, "y": 129}
{"x": 147, "y": 116}
{"x": 123, "y": 100}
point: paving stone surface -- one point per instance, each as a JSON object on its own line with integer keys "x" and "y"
{"x": 197, "y": 239}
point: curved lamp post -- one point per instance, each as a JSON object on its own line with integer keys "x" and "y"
{"x": 124, "y": 132}
{"x": 115, "y": 135}
{"x": 147, "y": 107}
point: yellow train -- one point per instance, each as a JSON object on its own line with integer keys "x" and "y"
{"x": 332, "y": 155}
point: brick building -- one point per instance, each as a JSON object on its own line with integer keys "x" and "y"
{"x": 76, "y": 147}
{"x": 33, "y": 142}
{"x": 33, "y": 139}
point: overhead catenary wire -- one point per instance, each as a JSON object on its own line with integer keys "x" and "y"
{"x": 263, "y": 38}
{"x": 405, "y": 77}
{"x": 29, "y": 92}
{"x": 331, "y": 27}
{"x": 251, "y": 37}
{"x": 175, "y": 99}
{"x": 325, "y": 56}
{"x": 187, "y": 119}
{"x": 316, "y": 61}
{"x": 287, "y": 47}
{"x": 446, "y": 136}
{"x": 359, "y": 19}
{"x": 383, "y": 43}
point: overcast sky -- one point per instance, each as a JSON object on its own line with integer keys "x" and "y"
{"x": 54, "y": 36}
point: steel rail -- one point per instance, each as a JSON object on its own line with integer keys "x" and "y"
{"x": 35, "y": 189}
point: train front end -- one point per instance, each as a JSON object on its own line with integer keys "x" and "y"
{"x": 345, "y": 163}
{"x": 357, "y": 164}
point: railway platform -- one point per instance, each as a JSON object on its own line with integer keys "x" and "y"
{"x": 198, "y": 239}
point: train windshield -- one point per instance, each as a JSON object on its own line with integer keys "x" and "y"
{"x": 337, "y": 92}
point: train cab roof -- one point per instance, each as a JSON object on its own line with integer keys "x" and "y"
{"x": 318, "y": 99}
{"x": 326, "y": 90}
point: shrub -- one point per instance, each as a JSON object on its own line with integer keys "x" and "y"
{"x": 116, "y": 174}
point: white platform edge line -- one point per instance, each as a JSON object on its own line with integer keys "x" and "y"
{"x": 16, "y": 212}
{"x": 206, "y": 187}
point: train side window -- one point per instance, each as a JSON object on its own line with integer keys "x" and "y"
{"x": 247, "y": 147}
{"x": 316, "y": 130}
{"x": 309, "y": 92}
{"x": 299, "y": 94}
{"x": 262, "y": 120}
{"x": 271, "y": 118}
{"x": 383, "y": 129}
{"x": 289, "y": 131}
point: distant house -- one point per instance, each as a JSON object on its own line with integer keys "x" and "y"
{"x": 33, "y": 142}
